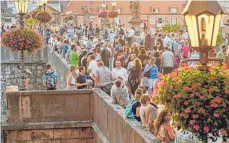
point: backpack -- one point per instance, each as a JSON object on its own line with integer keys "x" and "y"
{"x": 50, "y": 82}
{"x": 128, "y": 112}
{"x": 147, "y": 74}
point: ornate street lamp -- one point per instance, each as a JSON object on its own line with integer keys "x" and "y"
{"x": 44, "y": 3}
{"x": 21, "y": 7}
{"x": 203, "y": 22}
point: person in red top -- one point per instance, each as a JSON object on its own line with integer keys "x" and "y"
{"x": 185, "y": 52}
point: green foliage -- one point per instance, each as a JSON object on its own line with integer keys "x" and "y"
{"x": 171, "y": 28}
{"x": 31, "y": 21}
{"x": 199, "y": 100}
{"x": 220, "y": 38}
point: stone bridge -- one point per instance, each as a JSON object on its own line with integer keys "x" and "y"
{"x": 77, "y": 116}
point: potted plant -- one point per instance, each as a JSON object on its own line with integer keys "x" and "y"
{"x": 103, "y": 14}
{"x": 25, "y": 39}
{"x": 198, "y": 100}
{"x": 43, "y": 16}
{"x": 70, "y": 17}
{"x": 112, "y": 14}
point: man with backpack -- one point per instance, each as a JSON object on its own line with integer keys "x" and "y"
{"x": 49, "y": 78}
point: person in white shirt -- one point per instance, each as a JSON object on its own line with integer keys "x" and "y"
{"x": 130, "y": 35}
{"x": 119, "y": 71}
{"x": 166, "y": 41}
{"x": 92, "y": 66}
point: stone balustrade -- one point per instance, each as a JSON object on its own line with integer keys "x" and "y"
{"x": 51, "y": 110}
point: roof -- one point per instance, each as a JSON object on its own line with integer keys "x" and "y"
{"x": 198, "y": 7}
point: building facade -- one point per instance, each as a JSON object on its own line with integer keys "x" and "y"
{"x": 154, "y": 14}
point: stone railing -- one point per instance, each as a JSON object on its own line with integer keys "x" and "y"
{"x": 49, "y": 106}
{"x": 47, "y": 110}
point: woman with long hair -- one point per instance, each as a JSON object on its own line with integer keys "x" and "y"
{"x": 136, "y": 106}
{"x": 134, "y": 76}
{"x": 71, "y": 81}
{"x": 163, "y": 128}
{"x": 143, "y": 56}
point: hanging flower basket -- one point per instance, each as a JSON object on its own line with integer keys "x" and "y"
{"x": 198, "y": 100}
{"x": 70, "y": 17}
{"x": 22, "y": 39}
{"x": 43, "y": 17}
{"x": 27, "y": 16}
{"x": 112, "y": 14}
{"x": 34, "y": 13}
{"x": 103, "y": 14}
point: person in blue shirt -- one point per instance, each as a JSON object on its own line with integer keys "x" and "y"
{"x": 50, "y": 79}
{"x": 153, "y": 71}
{"x": 89, "y": 44}
{"x": 65, "y": 48}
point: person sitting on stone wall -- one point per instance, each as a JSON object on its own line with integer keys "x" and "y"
{"x": 119, "y": 93}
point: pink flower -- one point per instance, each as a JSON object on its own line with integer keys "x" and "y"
{"x": 187, "y": 110}
{"x": 223, "y": 132}
{"x": 211, "y": 90}
{"x": 192, "y": 122}
{"x": 217, "y": 99}
{"x": 206, "y": 129}
{"x": 214, "y": 105}
{"x": 186, "y": 88}
{"x": 216, "y": 115}
{"x": 197, "y": 94}
{"x": 186, "y": 103}
{"x": 182, "y": 114}
{"x": 201, "y": 97}
{"x": 195, "y": 116}
{"x": 196, "y": 127}
{"x": 171, "y": 87}
{"x": 177, "y": 96}
{"x": 192, "y": 95}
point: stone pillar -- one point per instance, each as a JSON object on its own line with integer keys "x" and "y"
{"x": 135, "y": 20}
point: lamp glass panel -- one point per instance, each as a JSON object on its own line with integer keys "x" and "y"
{"x": 216, "y": 28}
{"x": 205, "y": 23}
{"x": 21, "y": 6}
{"x": 192, "y": 29}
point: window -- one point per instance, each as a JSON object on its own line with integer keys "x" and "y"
{"x": 173, "y": 9}
{"x": 2, "y": 11}
{"x": 161, "y": 20}
{"x": 91, "y": 1}
{"x": 152, "y": 30}
{"x": 155, "y": 10}
{"x": 152, "y": 20}
{"x": 173, "y": 21}
{"x": 7, "y": 19}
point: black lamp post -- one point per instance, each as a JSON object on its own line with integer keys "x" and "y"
{"x": 21, "y": 7}
{"x": 203, "y": 22}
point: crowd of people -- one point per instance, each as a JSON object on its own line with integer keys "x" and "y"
{"x": 121, "y": 67}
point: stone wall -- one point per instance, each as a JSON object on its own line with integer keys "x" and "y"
{"x": 49, "y": 106}
{"x": 116, "y": 128}
{"x": 73, "y": 109}
{"x": 11, "y": 73}
{"x": 74, "y": 132}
